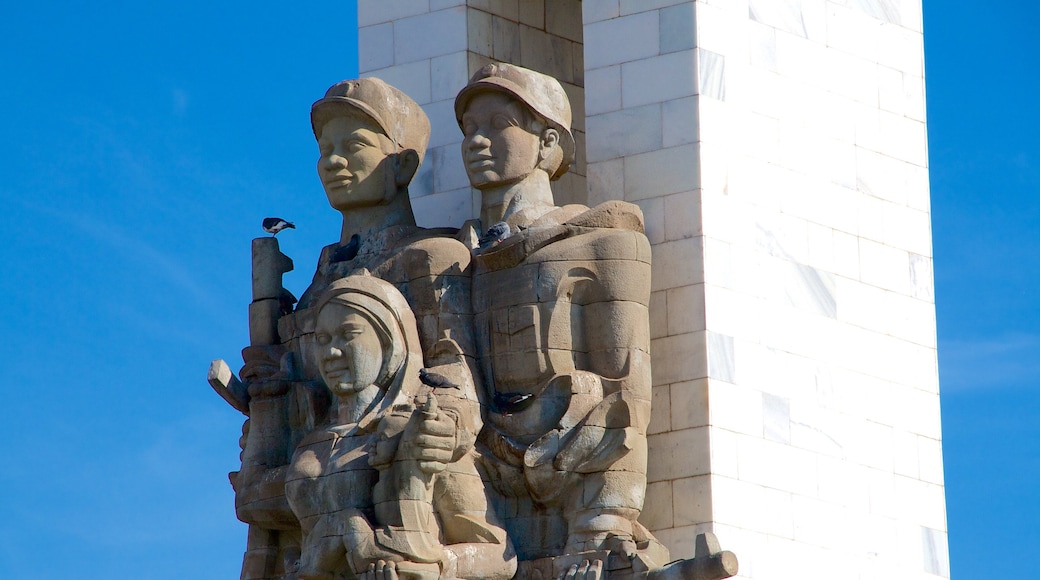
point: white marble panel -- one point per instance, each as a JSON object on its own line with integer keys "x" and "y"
{"x": 881, "y": 176}
{"x": 682, "y": 216}
{"x": 870, "y": 217}
{"x": 884, "y": 10}
{"x": 597, "y": 10}
{"x": 851, "y": 77}
{"x": 603, "y": 90}
{"x": 843, "y": 483}
{"x": 653, "y": 218}
{"x": 870, "y": 444}
{"x": 901, "y": 49}
{"x": 718, "y": 262}
{"x": 935, "y": 552}
{"x": 688, "y": 353}
{"x": 918, "y": 189}
{"x": 506, "y": 8}
{"x": 846, "y": 255}
{"x": 743, "y": 504}
{"x": 762, "y": 46}
{"x": 622, "y": 133}
{"x": 908, "y": 229}
{"x": 657, "y": 509}
{"x": 921, "y": 502}
{"x": 689, "y": 404}
{"x": 449, "y": 73}
{"x": 724, "y": 452}
{"x": 777, "y": 466}
{"x": 635, "y": 6}
{"x": 412, "y": 78}
{"x": 904, "y": 138}
{"x": 931, "y": 460}
{"x": 685, "y": 309}
{"x": 606, "y": 181}
{"x": 659, "y": 79}
{"x": 735, "y": 408}
{"x": 428, "y": 35}
{"x": 444, "y": 130}
{"x": 678, "y": 28}
{"x": 659, "y": 416}
{"x": 722, "y": 357}
{"x": 712, "y": 74}
{"x": 852, "y": 31}
{"x": 375, "y": 47}
{"x": 736, "y": 314}
{"x": 662, "y": 172}
{"x": 692, "y": 500}
{"x": 678, "y": 454}
{"x": 659, "y": 314}
{"x": 786, "y": 15}
{"x": 377, "y": 11}
{"x": 776, "y": 418}
{"x": 602, "y": 46}
{"x": 800, "y": 59}
{"x": 447, "y": 208}
{"x": 447, "y": 168}
{"x": 921, "y": 283}
{"x": 884, "y": 266}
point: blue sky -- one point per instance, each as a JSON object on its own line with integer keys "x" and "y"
{"x": 142, "y": 146}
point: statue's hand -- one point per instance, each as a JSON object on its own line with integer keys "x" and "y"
{"x": 263, "y": 371}
{"x": 585, "y": 571}
{"x": 435, "y": 438}
{"x": 381, "y": 570}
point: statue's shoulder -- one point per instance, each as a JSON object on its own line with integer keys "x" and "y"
{"x": 610, "y": 214}
{"x": 429, "y": 252}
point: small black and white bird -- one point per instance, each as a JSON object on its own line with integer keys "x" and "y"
{"x": 436, "y": 381}
{"x": 509, "y": 403}
{"x": 496, "y": 233}
{"x": 273, "y": 225}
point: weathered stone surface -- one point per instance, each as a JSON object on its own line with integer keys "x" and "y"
{"x": 521, "y": 448}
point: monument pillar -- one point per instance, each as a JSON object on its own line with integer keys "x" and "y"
{"x": 777, "y": 149}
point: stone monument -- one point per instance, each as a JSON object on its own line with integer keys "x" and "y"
{"x": 453, "y": 403}
{"x": 774, "y": 153}
{"x": 777, "y": 150}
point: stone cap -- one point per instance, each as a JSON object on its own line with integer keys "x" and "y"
{"x": 400, "y": 118}
{"x": 542, "y": 93}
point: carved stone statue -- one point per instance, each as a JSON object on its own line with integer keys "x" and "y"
{"x": 452, "y": 404}
{"x": 371, "y": 139}
{"x": 363, "y": 488}
{"x": 561, "y": 299}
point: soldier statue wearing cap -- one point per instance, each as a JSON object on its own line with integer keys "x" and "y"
{"x": 372, "y": 139}
{"x": 561, "y": 320}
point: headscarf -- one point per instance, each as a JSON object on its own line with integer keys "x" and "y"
{"x": 387, "y": 310}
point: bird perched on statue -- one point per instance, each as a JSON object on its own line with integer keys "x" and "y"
{"x": 348, "y": 251}
{"x": 509, "y": 403}
{"x": 273, "y": 225}
{"x": 435, "y": 380}
{"x": 495, "y": 234}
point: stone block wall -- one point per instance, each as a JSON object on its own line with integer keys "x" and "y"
{"x": 429, "y": 49}
{"x": 778, "y": 151}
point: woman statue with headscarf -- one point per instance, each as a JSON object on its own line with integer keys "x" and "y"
{"x": 368, "y": 506}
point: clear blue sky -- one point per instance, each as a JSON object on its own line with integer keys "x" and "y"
{"x": 142, "y": 144}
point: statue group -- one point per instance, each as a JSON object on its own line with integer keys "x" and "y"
{"x": 452, "y": 403}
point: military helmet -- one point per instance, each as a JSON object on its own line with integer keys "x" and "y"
{"x": 541, "y": 93}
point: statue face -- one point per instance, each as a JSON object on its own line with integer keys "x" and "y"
{"x": 497, "y": 148}
{"x": 351, "y": 354}
{"x": 354, "y": 165}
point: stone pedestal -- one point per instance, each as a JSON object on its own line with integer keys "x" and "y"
{"x": 778, "y": 151}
